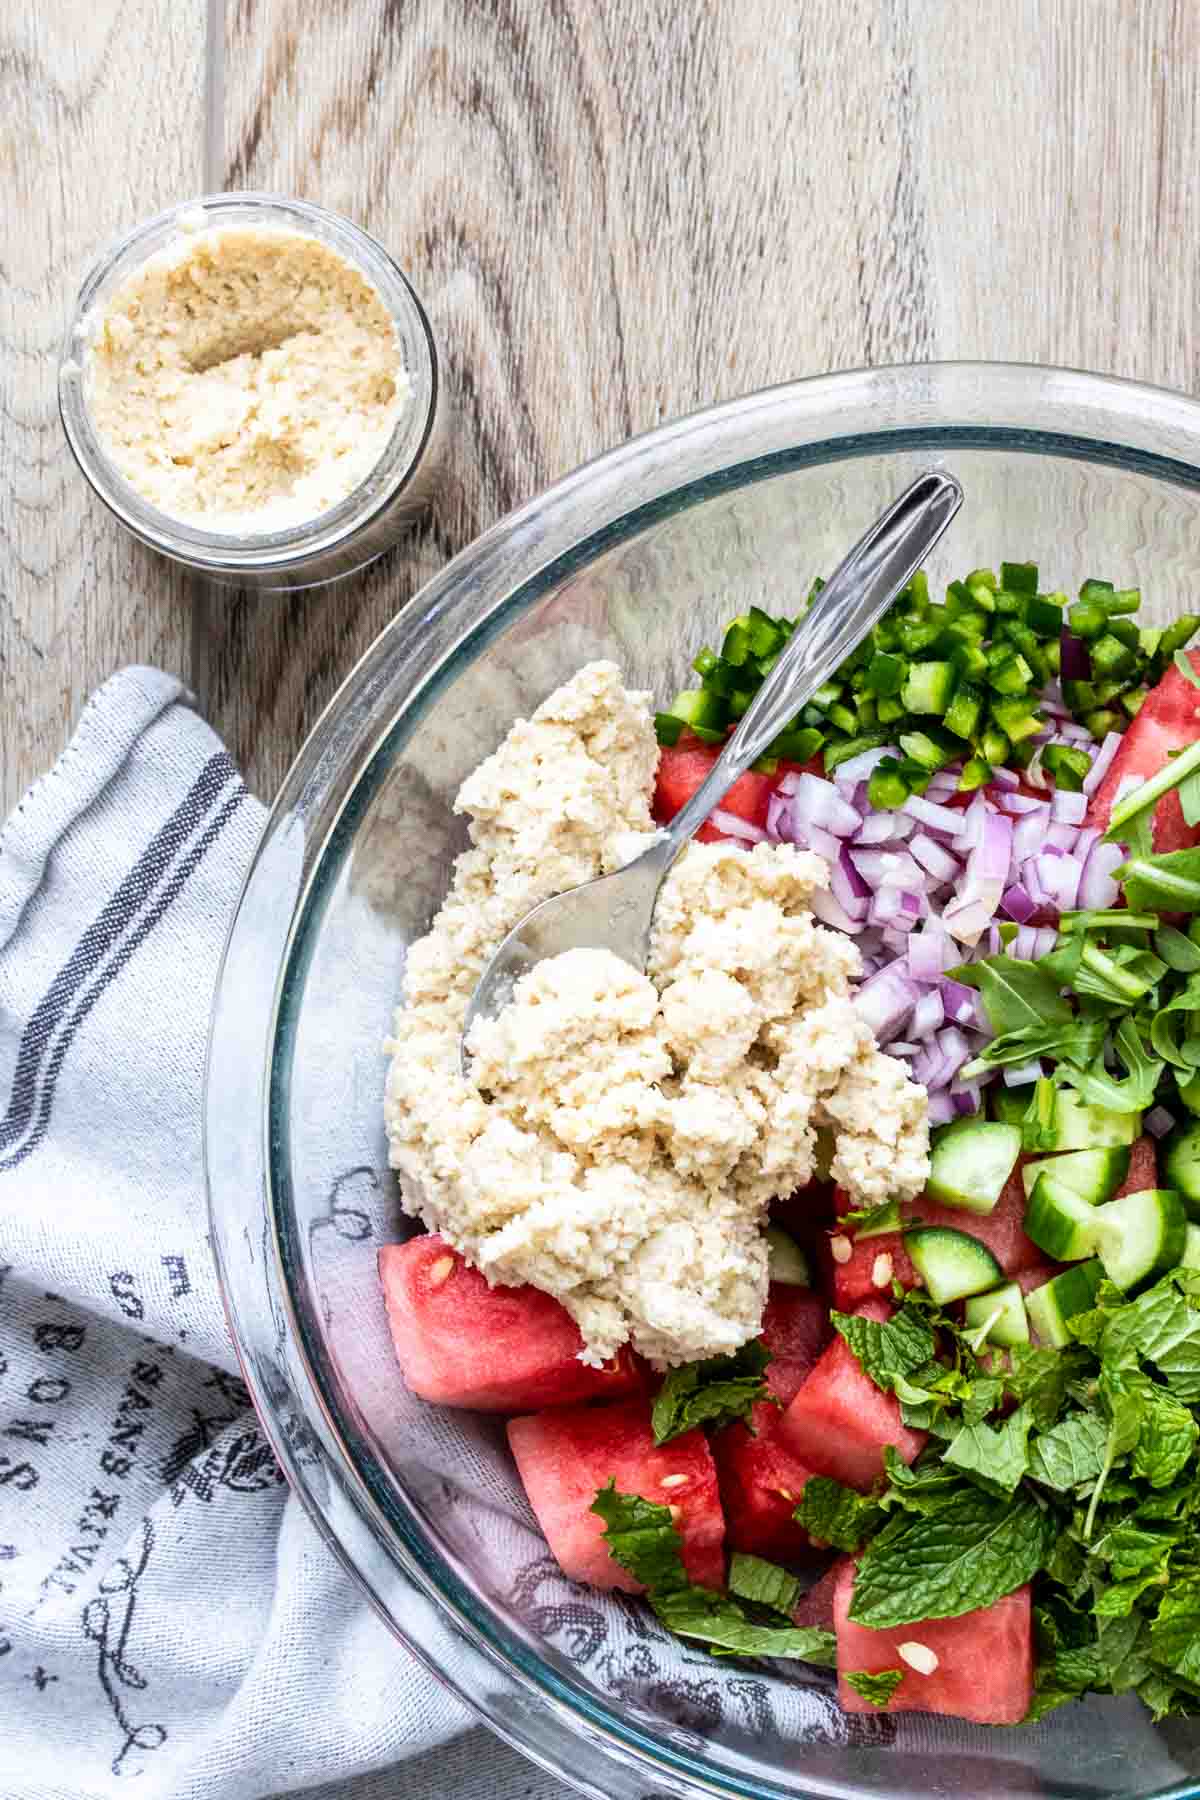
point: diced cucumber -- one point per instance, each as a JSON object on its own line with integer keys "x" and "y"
{"x": 1004, "y": 1307}
{"x": 1076, "y": 1126}
{"x": 1095, "y": 1175}
{"x": 1181, "y": 1166}
{"x": 1140, "y": 1236}
{"x": 1189, "y": 1093}
{"x": 1191, "y": 1248}
{"x": 699, "y": 706}
{"x": 970, "y": 1162}
{"x": 1050, "y": 1306}
{"x": 952, "y": 1264}
{"x": 1059, "y": 1222}
{"x": 786, "y": 1261}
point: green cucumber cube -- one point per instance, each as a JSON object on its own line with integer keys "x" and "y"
{"x": 970, "y": 1162}
{"x": 1002, "y": 1310}
{"x": 1051, "y": 1305}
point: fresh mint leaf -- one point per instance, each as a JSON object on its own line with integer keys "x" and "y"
{"x": 983, "y": 1397}
{"x": 1118, "y": 1600}
{"x": 1071, "y": 1453}
{"x": 939, "y": 1565}
{"x": 886, "y": 1348}
{"x": 1153, "y": 1325}
{"x": 1132, "y": 1550}
{"x": 996, "y": 1455}
{"x": 1041, "y": 1376}
{"x": 924, "y": 1487}
{"x": 1162, "y": 1696}
{"x": 713, "y": 1392}
{"x": 1166, "y": 1440}
{"x": 641, "y": 1536}
{"x": 878, "y": 1688}
{"x": 720, "y": 1623}
{"x": 764, "y": 1583}
{"x": 1122, "y": 1643}
{"x": 837, "y": 1515}
{"x": 1175, "y": 1633}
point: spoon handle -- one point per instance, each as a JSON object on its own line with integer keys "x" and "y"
{"x": 860, "y": 590}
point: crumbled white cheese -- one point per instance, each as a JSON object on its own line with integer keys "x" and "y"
{"x": 621, "y": 1135}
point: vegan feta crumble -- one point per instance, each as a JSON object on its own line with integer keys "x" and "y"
{"x": 620, "y": 1135}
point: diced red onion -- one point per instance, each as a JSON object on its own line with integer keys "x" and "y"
{"x": 1068, "y": 809}
{"x": 1024, "y": 944}
{"x": 830, "y": 912}
{"x": 954, "y": 1047}
{"x": 779, "y": 814}
{"x": 941, "y": 1107}
{"x": 885, "y": 906}
{"x": 942, "y": 818}
{"x": 1097, "y": 889}
{"x": 1018, "y": 803}
{"x": 848, "y": 887}
{"x": 1016, "y": 902}
{"x": 883, "y": 828}
{"x": 861, "y": 767}
{"x": 984, "y": 880}
{"x": 1029, "y": 833}
{"x": 1059, "y": 878}
{"x": 1158, "y": 1120}
{"x": 966, "y": 1097}
{"x": 1061, "y": 837}
{"x": 931, "y": 950}
{"x": 787, "y": 784}
{"x": 734, "y": 827}
{"x": 1005, "y": 778}
{"x": 1099, "y": 768}
{"x": 1022, "y": 1074}
{"x": 962, "y": 1004}
{"x": 932, "y": 857}
{"x": 886, "y": 1001}
{"x": 817, "y": 803}
{"x": 928, "y": 1014}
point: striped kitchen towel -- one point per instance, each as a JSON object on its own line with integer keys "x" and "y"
{"x": 169, "y": 1621}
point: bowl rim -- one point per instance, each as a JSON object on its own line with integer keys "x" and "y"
{"x": 1166, "y": 423}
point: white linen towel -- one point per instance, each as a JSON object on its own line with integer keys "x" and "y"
{"x": 169, "y": 1621}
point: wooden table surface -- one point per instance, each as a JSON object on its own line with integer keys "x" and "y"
{"x": 615, "y": 210}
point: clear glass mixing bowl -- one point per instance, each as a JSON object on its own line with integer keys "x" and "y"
{"x": 638, "y": 556}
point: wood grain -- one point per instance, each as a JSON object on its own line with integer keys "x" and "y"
{"x": 88, "y": 145}
{"x": 614, "y": 213}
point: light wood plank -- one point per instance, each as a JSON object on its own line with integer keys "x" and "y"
{"x": 101, "y": 122}
{"x": 613, "y": 213}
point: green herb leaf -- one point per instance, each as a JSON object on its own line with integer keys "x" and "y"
{"x": 878, "y": 1689}
{"x": 995, "y": 1455}
{"x": 1170, "y": 882}
{"x": 713, "y": 1392}
{"x": 1100, "y": 1088}
{"x": 837, "y": 1515}
{"x": 764, "y": 1583}
{"x": 1071, "y": 1453}
{"x": 1175, "y": 1634}
{"x": 875, "y": 1221}
{"x": 886, "y": 1348}
{"x": 1166, "y": 1440}
{"x": 1018, "y": 995}
{"x": 939, "y": 1565}
{"x": 720, "y": 1623}
{"x": 641, "y": 1536}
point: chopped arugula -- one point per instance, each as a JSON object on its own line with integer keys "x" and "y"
{"x": 878, "y": 1689}
{"x": 642, "y": 1537}
{"x": 713, "y": 1392}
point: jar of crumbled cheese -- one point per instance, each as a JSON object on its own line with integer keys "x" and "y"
{"x": 250, "y": 384}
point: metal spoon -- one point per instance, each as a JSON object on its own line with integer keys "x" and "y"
{"x": 615, "y": 911}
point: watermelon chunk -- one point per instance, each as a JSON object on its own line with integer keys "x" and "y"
{"x": 1002, "y": 1230}
{"x": 1143, "y": 1161}
{"x": 460, "y": 1342}
{"x": 567, "y": 1455}
{"x": 795, "y": 1329}
{"x": 815, "y": 1608}
{"x": 984, "y": 1666}
{"x": 761, "y": 1484}
{"x": 1165, "y": 724}
{"x": 839, "y": 1422}
{"x": 681, "y": 770}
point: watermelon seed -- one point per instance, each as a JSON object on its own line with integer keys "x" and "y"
{"x": 918, "y": 1656}
{"x": 673, "y": 1480}
{"x": 840, "y": 1249}
{"x": 881, "y": 1271}
{"x": 439, "y": 1270}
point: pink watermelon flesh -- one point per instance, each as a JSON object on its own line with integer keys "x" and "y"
{"x": 795, "y": 1329}
{"x": 460, "y": 1342}
{"x": 761, "y": 1484}
{"x": 815, "y": 1608}
{"x": 1002, "y": 1230}
{"x": 839, "y": 1422}
{"x": 985, "y": 1659}
{"x": 567, "y": 1455}
{"x": 1165, "y": 724}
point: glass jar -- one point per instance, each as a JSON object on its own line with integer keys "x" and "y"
{"x": 335, "y": 542}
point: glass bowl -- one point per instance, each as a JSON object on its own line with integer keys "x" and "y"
{"x": 639, "y": 556}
